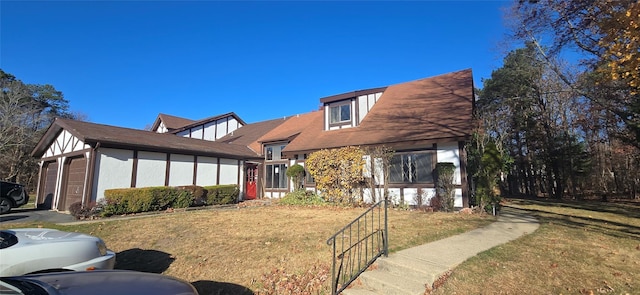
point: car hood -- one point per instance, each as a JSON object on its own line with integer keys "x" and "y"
{"x": 40, "y": 235}
{"x": 108, "y": 282}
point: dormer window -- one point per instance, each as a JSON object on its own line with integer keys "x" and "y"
{"x": 340, "y": 113}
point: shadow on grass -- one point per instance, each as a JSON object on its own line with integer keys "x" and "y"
{"x": 143, "y": 260}
{"x": 220, "y": 288}
{"x": 625, "y": 208}
{"x": 599, "y": 225}
{"x": 155, "y": 261}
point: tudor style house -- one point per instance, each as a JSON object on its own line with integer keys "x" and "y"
{"x": 424, "y": 122}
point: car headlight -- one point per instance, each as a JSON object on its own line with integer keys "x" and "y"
{"x": 102, "y": 248}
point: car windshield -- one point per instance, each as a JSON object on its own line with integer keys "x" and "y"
{"x": 7, "y": 239}
{"x": 20, "y": 287}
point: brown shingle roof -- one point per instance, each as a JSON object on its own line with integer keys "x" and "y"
{"x": 126, "y": 138}
{"x": 249, "y": 134}
{"x": 436, "y": 108}
{"x": 292, "y": 127}
{"x": 170, "y": 122}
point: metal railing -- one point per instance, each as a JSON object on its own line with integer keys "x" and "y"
{"x": 358, "y": 245}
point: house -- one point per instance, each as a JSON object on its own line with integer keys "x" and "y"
{"x": 424, "y": 121}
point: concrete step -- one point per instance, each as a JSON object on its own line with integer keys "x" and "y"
{"x": 389, "y": 283}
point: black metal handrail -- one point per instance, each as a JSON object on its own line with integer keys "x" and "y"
{"x": 358, "y": 245}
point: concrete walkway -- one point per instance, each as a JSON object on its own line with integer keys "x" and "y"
{"x": 414, "y": 270}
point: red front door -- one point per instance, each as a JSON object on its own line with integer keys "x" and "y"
{"x": 251, "y": 180}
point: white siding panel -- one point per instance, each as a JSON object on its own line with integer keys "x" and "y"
{"x": 197, "y": 132}
{"x": 221, "y": 128}
{"x": 151, "y": 169}
{"x": 210, "y": 131}
{"x": 427, "y": 194}
{"x": 228, "y": 171}
{"x": 411, "y": 196}
{"x": 394, "y": 195}
{"x": 207, "y": 171}
{"x": 362, "y": 107}
{"x": 233, "y": 125}
{"x": 181, "y": 170}
{"x": 457, "y": 202}
{"x": 113, "y": 170}
{"x": 185, "y": 133}
{"x": 449, "y": 153}
{"x": 371, "y": 100}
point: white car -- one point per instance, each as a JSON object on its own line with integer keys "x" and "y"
{"x": 37, "y": 250}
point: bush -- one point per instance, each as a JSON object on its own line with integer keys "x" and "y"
{"x": 136, "y": 200}
{"x": 445, "y": 189}
{"x": 302, "y": 197}
{"x": 79, "y": 211}
{"x": 221, "y": 194}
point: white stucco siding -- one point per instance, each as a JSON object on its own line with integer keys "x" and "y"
{"x": 221, "y": 128}
{"x": 458, "y": 198}
{"x": 210, "y": 131}
{"x": 113, "y": 170}
{"x": 228, "y": 171}
{"x": 151, "y": 169}
{"x": 197, "y": 132}
{"x": 185, "y": 133}
{"x": 449, "y": 152}
{"x": 233, "y": 125}
{"x": 181, "y": 170}
{"x": 365, "y": 103}
{"x": 207, "y": 173}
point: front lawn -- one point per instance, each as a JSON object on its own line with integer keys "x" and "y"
{"x": 582, "y": 247}
{"x": 252, "y": 247}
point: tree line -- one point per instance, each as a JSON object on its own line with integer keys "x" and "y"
{"x": 26, "y": 111}
{"x": 549, "y": 127}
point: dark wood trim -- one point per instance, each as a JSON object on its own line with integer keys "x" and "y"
{"x": 167, "y": 170}
{"x": 134, "y": 169}
{"x": 463, "y": 174}
{"x": 217, "y": 171}
{"x": 41, "y": 184}
{"x": 195, "y": 167}
{"x": 352, "y": 94}
{"x": 240, "y": 181}
{"x": 88, "y": 188}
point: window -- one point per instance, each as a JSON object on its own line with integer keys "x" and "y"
{"x": 340, "y": 113}
{"x": 411, "y": 168}
{"x": 276, "y": 176}
{"x": 282, "y": 149}
{"x": 308, "y": 177}
{"x": 269, "y": 153}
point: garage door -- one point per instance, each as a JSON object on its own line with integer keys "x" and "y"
{"x": 50, "y": 172}
{"x": 74, "y": 188}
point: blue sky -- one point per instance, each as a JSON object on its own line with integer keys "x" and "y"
{"x": 122, "y": 63}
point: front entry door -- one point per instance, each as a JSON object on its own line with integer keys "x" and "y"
{"x": 251, "y": 181}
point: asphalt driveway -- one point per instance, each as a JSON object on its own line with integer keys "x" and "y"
{"x": 35, "y": 215}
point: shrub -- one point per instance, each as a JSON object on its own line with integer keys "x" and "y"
{"x": 79, "y": 211}
{"x": 135, "y": 200}
{"x": 296, "y": 174}
{"x": 302, "y": 197}
{"x": 445, "y": 188}
{"x": 221, "y": 194}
